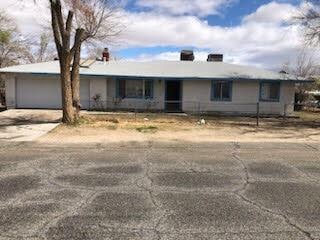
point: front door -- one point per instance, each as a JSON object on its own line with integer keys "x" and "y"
{"x": 173, "y": 97}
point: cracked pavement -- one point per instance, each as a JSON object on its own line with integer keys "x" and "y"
{"x": 153, "y": 191}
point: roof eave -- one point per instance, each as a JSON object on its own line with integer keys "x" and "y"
{"x": 173, "y": 78}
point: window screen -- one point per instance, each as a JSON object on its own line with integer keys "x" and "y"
{"x": 270, "y": 91}
{"x": 135, "y": 89}
{"x": 221, "y": 90}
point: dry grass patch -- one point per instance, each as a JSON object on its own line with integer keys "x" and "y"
{"x": 115, "y": 127}
{"x": 145, "y": 122}
{"x": 140, "y": 122}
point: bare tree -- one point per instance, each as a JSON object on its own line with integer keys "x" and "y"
{"x": 305, "y": 67}
{"x": 87, "y": 20}
{"x": 43, "y": 49}
{"x": 13, "y": 49}
{"x": 309, "y": 19}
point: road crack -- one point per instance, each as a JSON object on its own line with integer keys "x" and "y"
{"x": 239, "y": 193}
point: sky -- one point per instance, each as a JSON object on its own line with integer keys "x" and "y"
{"x": 247, "y": 32}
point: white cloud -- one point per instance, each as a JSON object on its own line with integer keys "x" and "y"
{"x": 170, "y": 56}
{"x": 147, "y": 29}
{"x": 200, "y": 8}
{"x": 272, "y": 12}
{"x": 30, "y": 17}
{"x": 246, "y": 43}
{"x": 260, "y": 39}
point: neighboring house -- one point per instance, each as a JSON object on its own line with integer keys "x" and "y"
{"x": 188, "y": 86}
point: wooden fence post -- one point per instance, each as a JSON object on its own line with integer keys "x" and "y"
{"x": 258, "y": 114}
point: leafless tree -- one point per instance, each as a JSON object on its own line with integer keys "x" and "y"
{"x": 43, "y": 49}
{"x": 87, "y": 20}
{"x": 309, "y": 20}
{"x": 13, "y": 47}
{"x": 305, "y": 67}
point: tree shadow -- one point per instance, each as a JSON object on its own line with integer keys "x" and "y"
{"x": 24, "y": 120}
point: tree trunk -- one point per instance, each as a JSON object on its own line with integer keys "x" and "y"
{"x": 62, "y": 33}
{"x": 66, "y": 89}
{"x": 75, "y": 76}
{"x": 75, "y": 73}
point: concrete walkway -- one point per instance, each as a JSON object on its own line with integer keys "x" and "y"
{"x": 27, "y": 125}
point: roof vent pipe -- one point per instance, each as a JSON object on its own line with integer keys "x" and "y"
{"x": 215, "y": 58}
{"x": 186, "y": 55}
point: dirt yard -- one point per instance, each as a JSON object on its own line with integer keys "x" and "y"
{"x": 124, "y": 127}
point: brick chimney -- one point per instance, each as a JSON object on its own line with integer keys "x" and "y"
{"x": 215, "y": 58}
{"x": 105, "y": 55}
{"x": 186, "y": 55}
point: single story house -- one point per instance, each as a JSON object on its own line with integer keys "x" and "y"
{"x": 188, "y": 86}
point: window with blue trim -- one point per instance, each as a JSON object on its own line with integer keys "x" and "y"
{"x": 270, "y": 91}
{"x": 221, "y": 90}
{"x": 134, "y": 88}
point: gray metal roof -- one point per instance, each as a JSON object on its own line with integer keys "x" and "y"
{"x": 160, "y": 69}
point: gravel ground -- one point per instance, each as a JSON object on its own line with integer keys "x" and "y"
{"x": 162, "y": 191}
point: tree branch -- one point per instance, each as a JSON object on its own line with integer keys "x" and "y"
{"x": 69, "y": 22}
{"x": 55, "y": 28}
{"x": 59, "y": 16}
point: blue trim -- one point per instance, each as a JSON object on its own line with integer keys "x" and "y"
{"x": 218, "y": 99}
{"x": 270, "y": 100}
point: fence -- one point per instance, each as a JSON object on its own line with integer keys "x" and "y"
{"x": 2, "y": 97}
{"x": 201, "y": 109}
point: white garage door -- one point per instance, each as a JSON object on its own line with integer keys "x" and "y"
{"x": 45, "y": 93}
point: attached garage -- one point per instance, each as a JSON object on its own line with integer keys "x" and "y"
{"x": 45, "y": 92}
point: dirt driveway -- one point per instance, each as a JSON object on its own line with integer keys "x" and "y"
{"x": 152, "y": 191}
{"x": 27, "y": 125}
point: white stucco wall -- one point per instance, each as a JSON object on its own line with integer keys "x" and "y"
{"x": 10, "y": 85}
{"x": 98, "y": 86}
{"x": 196, "y": 95}
{"x": 245, "y": 96}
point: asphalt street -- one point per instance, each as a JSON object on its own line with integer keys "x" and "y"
{"x": 152, "y": 191}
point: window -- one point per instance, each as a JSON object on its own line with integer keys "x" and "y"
{"x": 221, "y": 91}
{"x": 270, "y": 91}
{"x": 134, "y": 88}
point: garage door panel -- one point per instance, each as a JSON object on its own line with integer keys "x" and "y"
{"x": 38, "y": 93}
{"x": 46, "y": 93}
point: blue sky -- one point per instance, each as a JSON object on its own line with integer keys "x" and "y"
{"x": 248, "y": 32}
{"x": 228, "y": 16}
